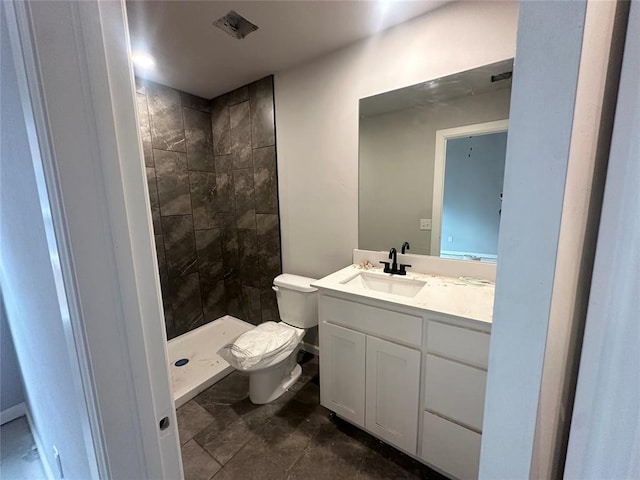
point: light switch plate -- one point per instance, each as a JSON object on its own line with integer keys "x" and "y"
{"x": 425, "y": 224}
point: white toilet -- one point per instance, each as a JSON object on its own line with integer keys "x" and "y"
{"x": 269, "y": 351}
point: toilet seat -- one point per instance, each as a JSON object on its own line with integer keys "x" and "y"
{"x": 265, "y": 345}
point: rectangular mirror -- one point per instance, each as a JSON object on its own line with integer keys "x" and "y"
{"x": 431, "y": 164}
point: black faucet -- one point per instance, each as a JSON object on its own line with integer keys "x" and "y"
{"x": 405, "y": 246}
{"x": 393, "y": 269}
{"x": 393, "y": 255}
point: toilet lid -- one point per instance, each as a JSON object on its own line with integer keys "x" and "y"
{"x": 264, "y": 340}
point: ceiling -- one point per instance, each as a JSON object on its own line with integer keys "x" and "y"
{"x": 194, "y": 56}
{"x": 438, "y": 91}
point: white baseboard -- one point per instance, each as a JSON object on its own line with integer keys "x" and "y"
{"x": 310, "y": 348}
{"x": 12, "y": 413}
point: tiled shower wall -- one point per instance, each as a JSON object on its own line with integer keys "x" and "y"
{"x": 211, "y": 171}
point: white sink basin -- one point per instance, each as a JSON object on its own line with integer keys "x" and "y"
{"x": 405, "y": 287}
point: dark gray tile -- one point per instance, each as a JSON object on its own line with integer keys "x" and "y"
{"x": 230, "y": 257}
{"x": 214, "y": 299}
{"x": 203, "y": 199}
{"x": 376, "y": 467}
{"x": 197, "y": 130}
{"x": 265, "y": 180}
{"x": 224, "y": 184}
{"x": 198, "y": 464}
{"x": 246, "y": 219}
{"x": 144, "y": 128}
{"x": 165, "y": 110}
{"x": 240, "y": 119}
{"x": 221, "y": 126}
{"x": 209, "y": 247}
{"x": 166, "y": 292}
{"x": 268, "y": 229}
{"x": 251, "y": 304}
{"x": 250, "y": 464}
{"x": 162, "y": 259}
{"x": 193, "y": 101}
{"x": 152, "y": 186}
{"x": 304, "y": 411}
{"x": 234, "y": 297}
{"x": 226, "y": 393}
{"x": 169, "y": 324}
{"x": 282, "y": 441}
{"x": 211, "y": 269}
{"x": 249, "y": 271}
{"x": 192, "y": 418}
{"x": 223, "y": 443}
{"x": 268, "y": 302}
{"x": 244, "y": 198}
{"x": 293, "y": 437}
{"x": 262, "y": 116}
{"x": 332, "y": 454}
{"x": 173, "y": 183}
{"x": 179, "y": 245}
{"x": 238, "y": 95}
{"x": 186, "y": 303}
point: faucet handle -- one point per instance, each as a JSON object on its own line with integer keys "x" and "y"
{"x": 402, "y": 270}
{"x": 386, "y": 267}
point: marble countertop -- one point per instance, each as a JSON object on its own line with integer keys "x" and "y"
{"x": 464, "y": 297}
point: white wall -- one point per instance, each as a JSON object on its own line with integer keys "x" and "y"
{"x": 317, "y": 119}
{"x": 11, "y": 393}
{"x": 396, "y": 164}
{"x": 55, "y": 400}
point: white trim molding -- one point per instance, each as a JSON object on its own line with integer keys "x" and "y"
{"x": 9, "y": 414}
{"x": 442, "y": 137}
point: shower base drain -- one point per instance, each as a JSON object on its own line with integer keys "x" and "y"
{"x": 182, "y": 362}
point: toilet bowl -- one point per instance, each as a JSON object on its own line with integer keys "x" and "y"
{"x": 268, "y": 352}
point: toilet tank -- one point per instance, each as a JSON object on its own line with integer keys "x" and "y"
{"x": 297, "y": 300}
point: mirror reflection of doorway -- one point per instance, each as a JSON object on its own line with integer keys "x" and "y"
{"x": 474, "y": 173}
{"x": 471, "y": 163}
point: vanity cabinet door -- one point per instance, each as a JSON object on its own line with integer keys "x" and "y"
{"x": 393, "y": 390}
{"x": 342, "y": 377}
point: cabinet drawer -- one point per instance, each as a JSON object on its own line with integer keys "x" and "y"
{"x": 378, "y": 321}
{"x": 458, "y": 343}
{"x": 455, "y": 391}
{"x": 450, "y": 447}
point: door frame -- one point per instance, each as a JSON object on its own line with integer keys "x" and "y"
{"x": 79, "y": 97}
{"x": 439, "y": 165}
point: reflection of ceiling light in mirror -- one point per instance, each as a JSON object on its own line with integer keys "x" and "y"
{"x": 143, "y": 60}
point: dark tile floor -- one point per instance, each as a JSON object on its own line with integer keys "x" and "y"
{"x": 19, "y": 457}
{"x": 224, "y": 436}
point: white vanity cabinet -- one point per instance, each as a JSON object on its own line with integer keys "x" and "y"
{"x": 392, "y": 392}
{"x": 343, "y": 363}
{"x": 373, "y": 382}
{"x": 454, "y": 388}
{"x": 415, "y": 379}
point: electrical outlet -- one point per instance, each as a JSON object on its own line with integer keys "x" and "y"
{"x": 449, "y": 239}
{"x": 425, "y": 224}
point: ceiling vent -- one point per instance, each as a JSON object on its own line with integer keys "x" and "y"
{"x": 235, "y": 25}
